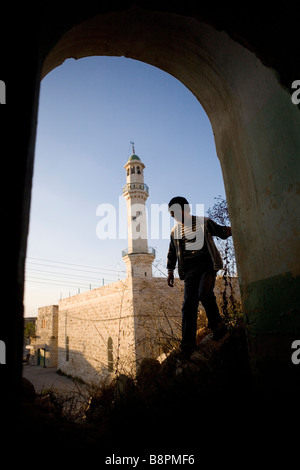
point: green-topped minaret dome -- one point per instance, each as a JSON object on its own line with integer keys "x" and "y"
{"x": 134, "y": 157}
{"x": 137, "y": 257}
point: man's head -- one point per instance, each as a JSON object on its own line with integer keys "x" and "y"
{"x": 177, "y": 207}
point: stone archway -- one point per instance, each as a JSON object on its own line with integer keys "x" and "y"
{"x": 255, "y": 125}
{"x": 256, "y": 133}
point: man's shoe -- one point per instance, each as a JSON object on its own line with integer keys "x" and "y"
{"x": 219, "y": 332}
{"x": 186, "y": 352}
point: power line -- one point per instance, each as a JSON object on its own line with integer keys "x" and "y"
{"x": 112, "y": 272}
{"x": 71, "y": 264}
{"x": 54, "y": 273}
{"x": 79, "y": 286}
{"x": 55, "y": 284}
{"x": 51, "y": 282}
{"x": 32, "y": 276}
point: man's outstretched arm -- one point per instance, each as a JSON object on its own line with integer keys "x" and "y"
{"x": 218, "y": 230}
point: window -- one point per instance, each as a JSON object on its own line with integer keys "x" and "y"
{"x": 67, "y": 348}
{"x": 138, "y": 170}
{"x": 110, "y": 357}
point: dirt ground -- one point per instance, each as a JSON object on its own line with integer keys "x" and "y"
{"x": 46, "y": 378}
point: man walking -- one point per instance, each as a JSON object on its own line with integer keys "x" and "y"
{"x": 192, "y": 247}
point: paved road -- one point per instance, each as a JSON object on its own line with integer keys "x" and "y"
{"x": 45, "y": 378}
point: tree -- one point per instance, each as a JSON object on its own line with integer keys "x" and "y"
{"x": 229, "y": 302}
{"x": 29, "y": 329}
{"x": 219, "y": 213}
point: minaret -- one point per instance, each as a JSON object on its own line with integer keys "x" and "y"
{"x": 138, "y": 258}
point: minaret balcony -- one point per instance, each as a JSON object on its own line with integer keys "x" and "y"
{"x": 150, "y": 251}
{"x": 135, "y": 187}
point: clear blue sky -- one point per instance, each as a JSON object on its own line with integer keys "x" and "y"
{"x": 89, "y": 112}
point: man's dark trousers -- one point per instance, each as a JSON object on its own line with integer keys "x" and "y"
{"x": 199, "y": 282}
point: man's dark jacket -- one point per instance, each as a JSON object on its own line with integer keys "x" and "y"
{"x": 175, "y": 252}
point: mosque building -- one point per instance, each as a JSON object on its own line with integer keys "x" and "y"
{"x": 110, "y": 329}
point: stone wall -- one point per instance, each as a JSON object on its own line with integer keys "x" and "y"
{"x": 44, "y": 346}
{"x": 109, "y": 330}
{"x": 157, "y": 316}
{"x": 125, "y": 321}
{"x": 88, "y": 324}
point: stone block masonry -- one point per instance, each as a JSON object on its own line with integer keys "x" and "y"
{"x": 43, "y": 349}
{"x": 157, "y": 316}
{"x": 110, "y": 329}
{"x": 90, "y": 327}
